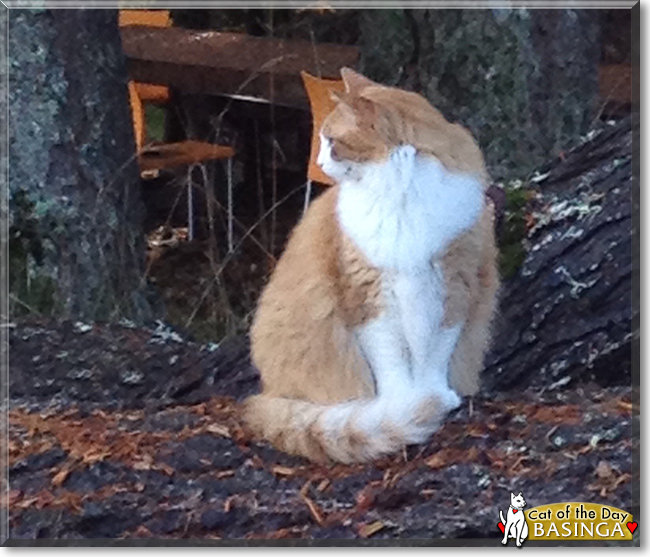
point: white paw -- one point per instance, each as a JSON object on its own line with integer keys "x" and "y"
{"x": 449, "y": 399}
{"x": 404, "y": 153}
{"x": 402, "y": 161}
{"x": 504, "y": 542}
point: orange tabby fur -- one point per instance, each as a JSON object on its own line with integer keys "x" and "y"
{"x": 323, "y": 286}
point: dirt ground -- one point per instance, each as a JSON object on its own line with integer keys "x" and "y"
{"x": 118, "y": 432}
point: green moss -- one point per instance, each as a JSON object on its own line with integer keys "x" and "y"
{"x": 511, "y": 248}
{"x": 511, "y": 258}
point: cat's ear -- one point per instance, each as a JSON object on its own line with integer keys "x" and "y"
{"x": 341, "y": 97}
{"x": 354, "y": 81}
{"x": 520, "y": 494}
{"x": 336, "y": 96}
{"x": 512, "y": 496}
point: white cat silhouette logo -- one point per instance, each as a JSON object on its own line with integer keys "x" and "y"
{"x": 514, "y": 525}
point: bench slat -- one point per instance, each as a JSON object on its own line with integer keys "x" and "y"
{"x": 210, "y": 62}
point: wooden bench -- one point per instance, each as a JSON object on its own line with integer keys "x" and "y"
{"x": 231, "y": 64}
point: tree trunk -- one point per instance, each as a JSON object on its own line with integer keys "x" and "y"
{"x": 567, "y": 314}
{"x": 524, "y": 81}
{"x": 77, "y": 247}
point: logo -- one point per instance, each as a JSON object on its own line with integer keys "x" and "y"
{"x": 514, "y": 524}
{"x": 564, "y": 521}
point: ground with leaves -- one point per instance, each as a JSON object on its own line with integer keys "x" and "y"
{"x": 117, "y": 432}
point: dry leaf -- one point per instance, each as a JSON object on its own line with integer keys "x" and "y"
{"x": 60, "y": 476}
{"x": 365, "y": 498}
{"x": 305, "y": 488}
{"x": 164, "y": 468}
{"x": 142, "y": 532}
{"x": 314, "y": 510}
{"x": 367, "y": 530}
{"x": 567, "y": 414}
{"x": 625, "y": 405}
{"x": 476, "y": 430}
{"x": 44, "y": 499}
{"x": 283, "y": 471}
{"x": 96, "y": 455}
{"x": 623, "y": 478}
{"x": 14, "y": 496}
{"x": 25, "y": 503}
{"x": 218, "y": 429}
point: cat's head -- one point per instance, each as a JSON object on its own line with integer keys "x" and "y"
{"x": 517, "y": 501}
{"x": 370, "y": 120}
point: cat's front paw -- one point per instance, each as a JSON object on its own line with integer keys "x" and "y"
{"x": 450, "y": 399}
{"x": 402, "y": 161}
{"x": 404, "y": 153}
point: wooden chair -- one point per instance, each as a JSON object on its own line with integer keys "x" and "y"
{"x": 154, "y": 158}
{"x": 319, "y": 93}
{"x": 149, "y": 18}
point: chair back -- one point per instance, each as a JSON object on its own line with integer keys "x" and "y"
{"x": 149, "y": 18}
{"x": 321, "y": 103}
{"x": 137, "y": 112}
{"x": 139, "y": 92}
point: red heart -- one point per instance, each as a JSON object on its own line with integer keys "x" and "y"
{"x": 514, "y": 511}
{"x": 631, "y": 526}
{"x": 503, "y": 528}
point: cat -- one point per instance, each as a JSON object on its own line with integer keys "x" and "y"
{"x": 376, "y": 318}
{"x": 515, "y": 524}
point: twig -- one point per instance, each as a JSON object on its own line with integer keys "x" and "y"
{"x": 21, "y": 303}
{"x": 237, "y": 246}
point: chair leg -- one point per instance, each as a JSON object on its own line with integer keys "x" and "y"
{"x": 190, "y": 205}
{"x": 230, "y": 207}
{"x": 307, "y": 197}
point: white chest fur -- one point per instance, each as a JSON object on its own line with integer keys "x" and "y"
{"x": 402, "y": 214}
{"x": 404, "y": 211}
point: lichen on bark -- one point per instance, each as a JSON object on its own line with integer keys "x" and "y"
{"x": 73, "y": 182}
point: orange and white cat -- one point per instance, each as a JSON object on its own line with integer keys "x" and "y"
{"x": 376, "y": 318}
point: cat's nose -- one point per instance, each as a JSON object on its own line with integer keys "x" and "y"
{"x": 323, "y": 155}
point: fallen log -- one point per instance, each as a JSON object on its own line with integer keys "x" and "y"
{"x": 567, "y": 314}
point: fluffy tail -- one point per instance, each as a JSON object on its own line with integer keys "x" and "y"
{"x": 503, "y": 520}
{"x": 349, "y": 432}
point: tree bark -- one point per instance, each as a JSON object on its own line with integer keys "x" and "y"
{"x": 523, "y": 81}
{"x": 77, "y": 248}
{"x": 567, "y": 314}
